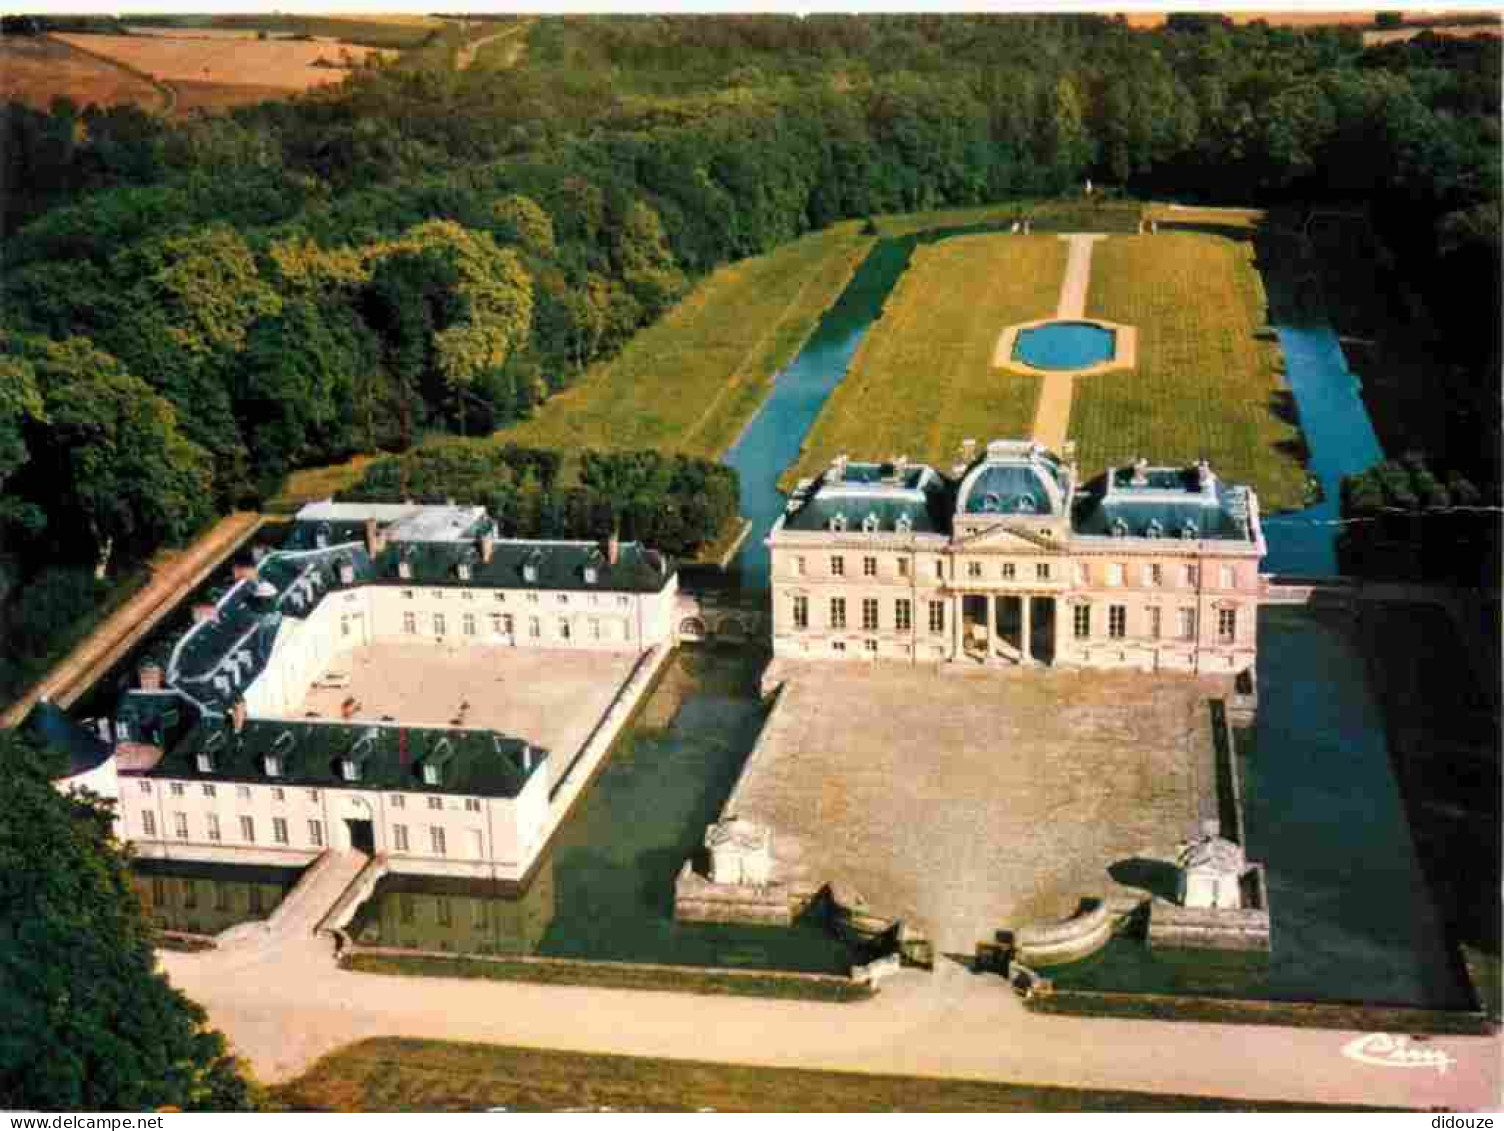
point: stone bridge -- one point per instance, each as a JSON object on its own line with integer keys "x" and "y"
{"x": 724, "y": 618}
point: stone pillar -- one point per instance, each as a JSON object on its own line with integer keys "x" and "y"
{"x": 1025, "y": 614}
{"x": 991, "y": 623}
{"x": 1060, "y": 626}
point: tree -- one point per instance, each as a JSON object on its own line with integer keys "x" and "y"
{"x": 521, "y": 219}
{"x": 88, "y": 1023}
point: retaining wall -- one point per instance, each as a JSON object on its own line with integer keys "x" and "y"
{"x": 1049, "y": 944}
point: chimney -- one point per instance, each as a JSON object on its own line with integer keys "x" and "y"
{"x": 487, "y": 544}
{"x": 149, "y": 676}
{"x": 202, "y": 612}
{"x": 375, "y": 538}
{"x": 968, "y": 450}
{"x": 237, "y": 716}
{"x": 244, "y": 571}
{"x": 612, "y": 548}
{"x": 1140, "y": 472}
{"x": 838, "y": 468}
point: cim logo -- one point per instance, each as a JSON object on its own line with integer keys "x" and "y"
{"x": 1385, "y": 1050}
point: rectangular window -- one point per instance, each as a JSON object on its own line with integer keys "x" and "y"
{"x": 478, "y": 911}
{"x": 436, "y": 803}
{"x": 801, "y": 611}
{"x": 499, "y": 595}
{"x": 406, "y": 906}
{"x": 180, "y": 825}
{"x": 869, "y": 614}
{"x": 410, "y": 623}
{"x": 1154, "y": 622}
{"x": 213, "y": 820}
{"x": 279, "y": 829}
{"x": 595, "y": 628}
{"x": 869, "y": 567}
{"x": 221, "y": 896}
{"x": 940, "y": 569}
{"x": 436, "y": 837}
{"x": 438, "y": 624}
{"x": 799, "y": 566}
{"x": 903, "y": 567}
{"x": 316, "y": 834}
{"x": 1010, "y": 571}
{"x": 1229, "y": 577}
{"x": 1188, "y": 576}
{"x": 1227, "y": 625}
{"x": 472, "y": 805}
{"x": 148, "y": 823}
{"x": 145, "y": 786}
{"x": 937, "y": 616}
{"x": 1081, "y": 573}
{"x": 177, "y": 788}
{"x": 973, "y": 569}
{"x": 870, "y": 645}
{"x": 344, "y": 626}
{"x": 243, "y": 792}
{"x": 313, "y": 795}
{"x": 1114, "y": 573}
{"x": 477, "y": 844}
{"x": 399, "y": 837}
{"x": 1154, "y": 575}
{"x": 398, "y": 801}
{"x": 1187, "y": 619}
{"x": 1083, "y": 621}
{"x": 445, "y": 911}
{"x": 248, "y": 829}
{"x": 469, "y": 624}
{"x": 534, "y": 627}
{"x": 1042, "y": 571}
{"x": 838, "y": 645}
{"x": 903, "y": 614}
{"x": 1117, "y": 621}
{"x": 563, "y": 629}
{"x": 837, "y": 566}
{"x": 190, "y": 894}
{"x": 208, "y": 790}
{"x": 279, "y": 794}
{"x": 838, "y": 612}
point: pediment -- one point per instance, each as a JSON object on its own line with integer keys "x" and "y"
{"x": 1005, "y": 538}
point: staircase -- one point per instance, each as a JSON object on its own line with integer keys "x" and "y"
{"x": 310, "y": 899}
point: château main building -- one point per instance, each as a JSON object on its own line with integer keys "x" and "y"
{"x": 1011, "y": 560}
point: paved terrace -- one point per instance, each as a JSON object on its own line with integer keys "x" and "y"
{"x": 552, "y": 698}
{"x": 969, "y": 803}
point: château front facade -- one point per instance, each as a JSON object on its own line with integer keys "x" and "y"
{"x": 1012, "y": 561}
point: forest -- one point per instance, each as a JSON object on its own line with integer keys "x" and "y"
{"x": 193, "y": 310}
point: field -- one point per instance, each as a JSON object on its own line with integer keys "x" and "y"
{"x": 35, "y": 70}
{"x": 397, "y": 1074}
{"x": 923, "y": 381}
{"x": 281, "y": 64}
{"x": 1208, "y": 376}
{"x": 692, "y": 380}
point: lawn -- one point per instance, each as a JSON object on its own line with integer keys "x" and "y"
{"x": 1208, "y": 381}
{"x": 398, "y": 1074}
{"x": 692, "y": 380}
{"x": 923, "y": 381}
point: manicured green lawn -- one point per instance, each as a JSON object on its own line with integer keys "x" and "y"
{"x": 923, "y": 381}
{"x": 395, "y": 1074}
{"x": 1208, "y": 380}
{"x": 692, "y": 380}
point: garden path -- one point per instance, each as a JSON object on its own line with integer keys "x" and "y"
{"x": 1052, "y": 415}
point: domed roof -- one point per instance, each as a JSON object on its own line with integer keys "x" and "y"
{"x": 1014, "y": 477}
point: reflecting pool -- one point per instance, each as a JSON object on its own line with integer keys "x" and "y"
{"x": 1064, "y": 345}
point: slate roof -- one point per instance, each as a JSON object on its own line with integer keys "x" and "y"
{"x": 879, "y": 491}
{"x": 1173, "y": 503}
{"x": 476, "y": 763}
{"x": 1014, "y": 477}
{"x": 52, "y": 726}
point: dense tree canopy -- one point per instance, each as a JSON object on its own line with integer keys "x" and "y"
{"x": 88, "y": 1023}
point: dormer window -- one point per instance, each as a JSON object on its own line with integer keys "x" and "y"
{"x": 350, "y": 769}
{"x": 591, "y": 575}
{"x": 273, "y": 765}
{"x": 1025, "y": 504}
{"x": 463, "y": 571}
{"x": 870, "y": 524}
{"x": 1189, "y": 530}
{"x": 904, "y": 524}
{"x": 404, "y": 569}
{"x": 205, "y": 762}
{"x": 430, "y": 775}
{"x": 321, "y": 535}
{"x": 992, "y": 502}
{"x": 1119, "y": 528}
{"x": 276, "y": 759}
{"x": 433, "y": 765}
{"x": 1154, "y": 529}
{"x": 838, "y": 522}
{"x": 346, "y": 572}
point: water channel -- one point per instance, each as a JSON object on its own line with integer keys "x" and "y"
{"x": 1353, "y": 919}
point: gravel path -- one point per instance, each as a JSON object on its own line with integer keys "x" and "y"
{"x": 284, "y": 1011}
{"x": 1052, "y": 415}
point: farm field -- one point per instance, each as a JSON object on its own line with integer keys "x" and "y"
{"x": 282, "y": 64}
{"x": 1208, "y": 377}
{"x": 402, "y": 1074}
{"x": 37, "y": 69}
{"x": 692, "y": 380}
{"x": 923, "y": 381}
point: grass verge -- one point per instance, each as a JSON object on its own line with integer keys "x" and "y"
{"x": 1208, "y": 380}
{"x": 614, "y": 976}
{"x": 399, "y": 1074}
{"x": 690, "y": 382}
{"x": 922, "y": 380}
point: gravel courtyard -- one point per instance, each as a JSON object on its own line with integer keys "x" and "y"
{"x": 978, "y": 802}
{"x": 552, "y": 698}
